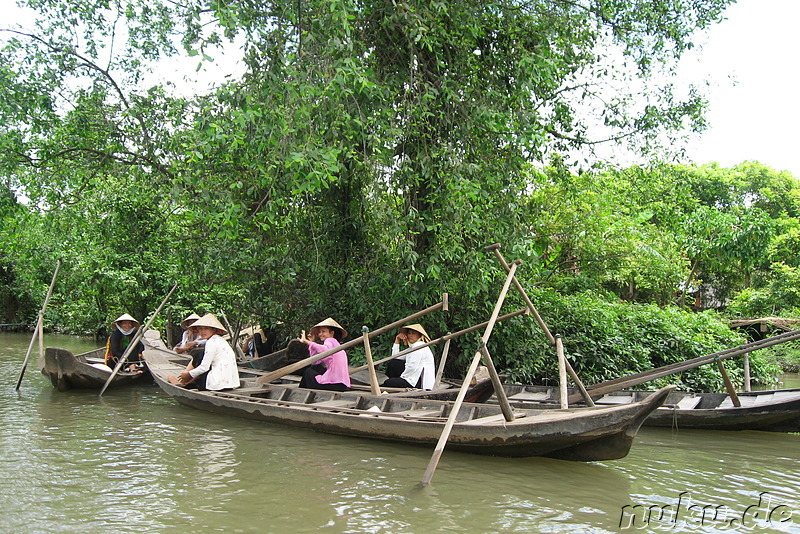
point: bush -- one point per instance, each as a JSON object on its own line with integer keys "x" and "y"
{"x": 606, "y": 339}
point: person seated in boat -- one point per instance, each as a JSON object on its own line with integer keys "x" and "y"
{"x": 189, "y": 339}
{"x": 416, "y": 369}
{"x": 336, "y": 374}
{"x": 217, "y": 371}
{"x": 123, "y": 330}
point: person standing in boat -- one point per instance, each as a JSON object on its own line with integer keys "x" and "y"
{"x": 336, "y": 376}
{"x": 217, "y": 371}
{"x": 123, "y": 330}
{"x": 416, "y": 369}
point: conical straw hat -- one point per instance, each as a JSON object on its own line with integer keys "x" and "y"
{"x": 186, "y": 323}
{"x": 329, "y": 323}
{"x": 416, "y": 327}
{"x": 211, "y": 321}
{"x": 124, "y": 317}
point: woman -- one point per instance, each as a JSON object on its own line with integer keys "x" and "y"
{"x": 336, "y": 376}
{"x": 123, "y": 330}
{"x": 419, "y": 370}
{"x": 217, "y": 371}
{"x": 189, "y": 339}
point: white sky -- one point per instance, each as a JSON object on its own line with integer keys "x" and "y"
{"x": 751, "y": 61}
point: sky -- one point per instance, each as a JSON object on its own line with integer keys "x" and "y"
{"x": 751, "y": 63}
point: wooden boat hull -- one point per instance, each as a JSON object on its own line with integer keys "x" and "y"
{"x": 75, "y": 371}
{"x": 583, "y": 434}
{"x": 772, "y": 411}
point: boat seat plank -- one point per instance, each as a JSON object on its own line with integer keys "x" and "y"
{"x": 688, "y": 402}
{"x": 334, "y": 404}
{"x": 530, "y": 396}
{"x": 745, "y": 402}
{"x": 497, "y": 418}
{"x": 615, "y": 399}
{"x": 419, "y": 413}
{"x": 249, "y": 390}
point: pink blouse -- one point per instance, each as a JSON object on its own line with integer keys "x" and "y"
{"x": 336, "y": 369}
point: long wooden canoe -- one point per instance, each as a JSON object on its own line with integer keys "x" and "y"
{"x": 582, "y": 434}
{"x": 83, "y": 371}
{"x": 773, "y": 411}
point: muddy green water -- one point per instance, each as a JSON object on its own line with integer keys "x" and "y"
{"x": 135, "y": 461}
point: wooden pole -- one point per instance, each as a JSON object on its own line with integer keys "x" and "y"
{"x": 747, "y": 371}
{"x": 728, "y": 384}
{"x": 609, "y": 386}
{"x": 446, "y": 338}
{"x": 586, "y": 397}
{"x": 283, "y": 371}
{"x": 136, "y": 339}
{"x": 499, "y": 392}
{"x": 442, "y": 361}
{"x": 462, "y": 393}
{"x": 234, "y": 337}
{"x": 39, "y": 323}
{"x": 562, "y": 372}
{"x": 373, "y": 377}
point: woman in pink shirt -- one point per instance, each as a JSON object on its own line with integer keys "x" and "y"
{"x": 336, "y": 376}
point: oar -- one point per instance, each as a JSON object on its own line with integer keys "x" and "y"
{"x": 136, "y": 339}
{"x": 283, "y": 371}
{"x": 448, "y": 427}
{"x": 39, "y": 324}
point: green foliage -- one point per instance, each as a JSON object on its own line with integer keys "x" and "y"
{"x": 605, "y": 338}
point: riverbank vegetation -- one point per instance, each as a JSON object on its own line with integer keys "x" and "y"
{"x": 364, "y": 159}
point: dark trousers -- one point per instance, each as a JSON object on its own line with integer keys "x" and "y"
{"x": 309, "y": 381}
{"x": 395, "y": 368}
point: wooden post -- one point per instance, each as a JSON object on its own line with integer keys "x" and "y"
{"x": 448, "y": 427}
{"x": 283, "y": 371}
{"x": 136, "y": 339}
{"x": 586, "y": 397}
{"x": 39, "y": 323}
{"x": 562, "y": 372}
{"x": 499, "y": 392}
{"x": 442, "y": 361}
{"x": 728, "y": 384}
{"x": 373, "y": 377}
{"x": 747, "y": 371}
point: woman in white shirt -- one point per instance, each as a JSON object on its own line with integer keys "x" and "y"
{"x": 218, "y": 369}
{"x": 419, "y": 370}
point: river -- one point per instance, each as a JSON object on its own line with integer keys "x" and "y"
{"x": 134, "y": 461}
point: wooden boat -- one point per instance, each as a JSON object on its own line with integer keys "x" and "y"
{"x": 87, "y": 370}
{"x": 582, "y": 434}
{"x": 773, "y": 411}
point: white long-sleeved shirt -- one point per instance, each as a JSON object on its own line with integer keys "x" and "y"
{"x": 220, "y": 362}
{"x": 419, "y": 362}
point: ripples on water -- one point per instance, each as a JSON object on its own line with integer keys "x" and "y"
{"x": 135, "y": 461}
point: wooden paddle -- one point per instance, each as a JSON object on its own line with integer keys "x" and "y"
{"x": 39, "y": 325}
{"x": 283, "y": 371}
{"x": 448, "y": 427}
{"x": 136, "y": 339}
